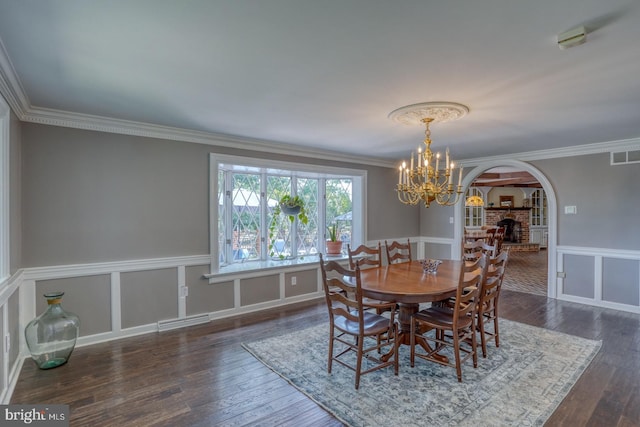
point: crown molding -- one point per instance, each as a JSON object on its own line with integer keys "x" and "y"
{"x": 10, "y": 86}
{"x": 126, "y": 127}
{"x": 576, "y": 150}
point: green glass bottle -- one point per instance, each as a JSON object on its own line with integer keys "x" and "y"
{"x": 51, "y": 337}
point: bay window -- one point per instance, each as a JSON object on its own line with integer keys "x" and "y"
{"x": 246, "y": 226}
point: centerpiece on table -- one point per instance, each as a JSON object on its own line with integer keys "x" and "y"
{"x": 430, "y": 265}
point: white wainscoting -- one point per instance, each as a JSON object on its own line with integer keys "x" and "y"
{"x": 10, "y": 372}
{"x": 597, "y": 257}
{"x": 24, "y": 282}
{"x": 114, "y": 269}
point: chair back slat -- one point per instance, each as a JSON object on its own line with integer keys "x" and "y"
{"x": 489, "y": 249}
{"x": 369, "y": 256}
{"x": 398, "y": 252}
{"x": 472, "y": 250}
{"x": 468, "y": 288}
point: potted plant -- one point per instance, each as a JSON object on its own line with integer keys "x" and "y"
{"x": 334, "y": 246}
{"x": 292, "y": 207}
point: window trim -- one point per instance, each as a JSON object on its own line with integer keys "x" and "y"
{"x": 359, "y": 185}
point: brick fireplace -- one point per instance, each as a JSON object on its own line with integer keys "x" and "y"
{"x": 493, "y": 215}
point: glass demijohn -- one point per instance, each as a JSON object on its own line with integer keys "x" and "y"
{"x": 51, "y": 337}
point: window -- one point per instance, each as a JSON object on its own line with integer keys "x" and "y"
{"x": 4, "y": 189}
{"x": 246, "y": 226}
{"x": 474, "y": 214}
{"x": 538, "y": 208}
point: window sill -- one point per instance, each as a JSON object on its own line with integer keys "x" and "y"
{"x": 261, "y": 268}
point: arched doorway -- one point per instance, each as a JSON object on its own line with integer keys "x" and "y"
{"x": 553, "y": 213}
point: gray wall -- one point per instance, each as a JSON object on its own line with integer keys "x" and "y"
{"x": 386, "y": 216}
{"x": 92, "y": 197}
{"x": 434, "y": 221}
{"x": 607, "y": 200}
{"x": 95, "y": 317}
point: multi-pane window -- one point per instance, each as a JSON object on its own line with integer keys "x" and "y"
{"x": 248, "y": 225}
{"x": 473, "y": 214}
{"x": 539, "y": 208}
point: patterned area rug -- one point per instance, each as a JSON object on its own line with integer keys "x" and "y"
{"x": 526, "y": 272}
{"x": 520, "y": 383}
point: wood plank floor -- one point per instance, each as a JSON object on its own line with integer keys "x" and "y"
{"x": 201, "y": 376}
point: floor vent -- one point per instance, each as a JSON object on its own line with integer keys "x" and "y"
{"x": 167, "y": 325}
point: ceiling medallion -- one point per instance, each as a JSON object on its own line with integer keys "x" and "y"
{"x": 440, "y": 112}
{"x": 424, "y": 180}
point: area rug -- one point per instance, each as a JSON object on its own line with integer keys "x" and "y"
{"x": 520, "y": 383}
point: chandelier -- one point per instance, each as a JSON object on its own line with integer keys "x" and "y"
{"x": 424, "y": 179}
{"x": 474, "y": 201}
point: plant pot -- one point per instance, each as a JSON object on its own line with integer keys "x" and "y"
{"x": 290, "y": 210}
{"x": 334, "y": 248}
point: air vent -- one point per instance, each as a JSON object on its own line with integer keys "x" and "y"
{"x": 167, "y": 325}
{"x": 625, "y": 157}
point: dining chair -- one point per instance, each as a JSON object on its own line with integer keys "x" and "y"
{"x": 471, "y": 250}
{"x": 353, "y": 329}
{"x": 489, "y": 250}
{"x": 499, "y": 239}
{"x": 488, "y": 300}
{"x": 473, "y": 266}
{"x": 398, "y": 252}
{"x": 366, "y": 255}
{"x": 459, "y": 322}
{"x": 491, "y": 236}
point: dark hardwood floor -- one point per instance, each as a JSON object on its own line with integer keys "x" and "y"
{"x": 201, "y": 376}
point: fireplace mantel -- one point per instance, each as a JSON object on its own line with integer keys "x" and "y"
{"x": 507, "y": 209}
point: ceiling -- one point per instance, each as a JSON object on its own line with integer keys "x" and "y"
{"x": 325, "y": 74}
{"x": 506, "y": 177}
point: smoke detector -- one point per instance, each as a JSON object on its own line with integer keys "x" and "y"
{"x": 573, "y": 37}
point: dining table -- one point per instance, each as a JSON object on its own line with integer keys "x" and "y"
{"x": 408, "y": 285}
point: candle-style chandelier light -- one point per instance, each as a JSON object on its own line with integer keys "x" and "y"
{"x": 423, "y": 179}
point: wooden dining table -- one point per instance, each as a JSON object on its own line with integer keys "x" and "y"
{"x": 408, "y": 285}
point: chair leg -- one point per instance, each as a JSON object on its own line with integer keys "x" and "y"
{"x": 359, "y": 362}
{"x": 456, "y": 351}
{"x": 330, "y": 362}
{"x": 395, "y": 348}
{"x": 496, "y": 333}
{"x": 474, "y": 344}
{"x": 483, "y": 338}
{"x": 412, "y": 353}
